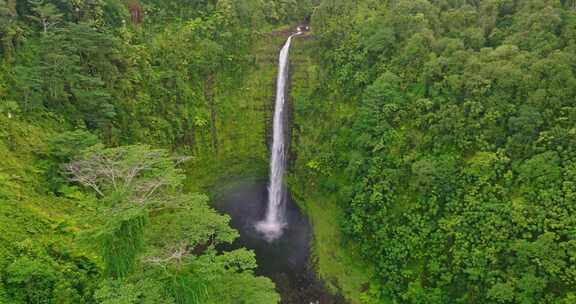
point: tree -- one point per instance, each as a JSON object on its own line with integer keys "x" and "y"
{"x": 5, "y": 11}
{"x": 138, "y": 174}
{"x": 144, "y": 219}
{"x": 131, "y": 181}
{"x": 10, "y": 30}
{"x": 47, "y": 14}
{"x": 146, "y": 291}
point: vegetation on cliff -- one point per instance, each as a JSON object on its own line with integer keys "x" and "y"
{"x": 96, "y": 98}
{"x": 433, "y": 147}
{"x": 445, "y": 132}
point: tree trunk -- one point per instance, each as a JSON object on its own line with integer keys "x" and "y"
{"x": 12, "y": 7}
{"x": 209, "y": 95}
{"x": 427, "y": 87}
{"x": 189, "y": 137}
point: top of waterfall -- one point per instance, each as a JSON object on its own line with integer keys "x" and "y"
{"x": 302, "y": 28}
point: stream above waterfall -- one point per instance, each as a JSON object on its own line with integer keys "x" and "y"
{"x": 285, "y": 260}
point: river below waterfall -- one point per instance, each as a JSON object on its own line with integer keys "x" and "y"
{"x": 286, "y": 260}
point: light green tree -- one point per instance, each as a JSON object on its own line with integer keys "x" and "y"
{"x": 143, "y": 219}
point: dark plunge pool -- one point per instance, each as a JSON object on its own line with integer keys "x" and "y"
{"x": 287, "y": 260}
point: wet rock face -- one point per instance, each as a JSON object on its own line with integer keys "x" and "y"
{"x": 286, "y": 260}
{"x": 303, "y": 27}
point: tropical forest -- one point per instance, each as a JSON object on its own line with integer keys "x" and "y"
{"x": 287, "y": 151}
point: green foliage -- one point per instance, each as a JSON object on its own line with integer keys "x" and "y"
{"x": 67, "y": 145}
{"x": 86, "y": 91}
{"x": 34, "y": 280}
{"x": 445, "y": 130}
{"x": 135, "y": 175}
{"x": 199, "y": 226}
{"x": 121, "y": 242}
{"x": 121, "y": 292}
{"x": 47, "y": 275}
{"x": 210, "y": 274}
{"x": 117, "y": 293}
{"x": 145, "y": 223}
{"x": 47, "y": 15}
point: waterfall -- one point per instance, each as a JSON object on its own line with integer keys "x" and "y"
{"x": 274, "y": 223}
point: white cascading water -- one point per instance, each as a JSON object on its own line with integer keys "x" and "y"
{"x": 273, "y": 225}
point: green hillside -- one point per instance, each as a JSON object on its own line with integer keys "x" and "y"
{"x": 432, "y": 148}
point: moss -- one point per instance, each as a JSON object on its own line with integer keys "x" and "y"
{"x": 243, "y": 125}
{"x": 337, "y": 263}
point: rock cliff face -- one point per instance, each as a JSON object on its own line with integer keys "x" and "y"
{"x": 243, "y": 115}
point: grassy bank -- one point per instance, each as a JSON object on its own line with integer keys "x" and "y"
{"x": 337, "y": 263}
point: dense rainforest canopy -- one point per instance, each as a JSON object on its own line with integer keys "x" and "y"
{"x": 447, "y": 128}
{"x": 96, "y": 98}
{"x": 435, "y": 138}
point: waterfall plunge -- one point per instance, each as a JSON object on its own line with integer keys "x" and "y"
{"x": 274, "y": 223}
